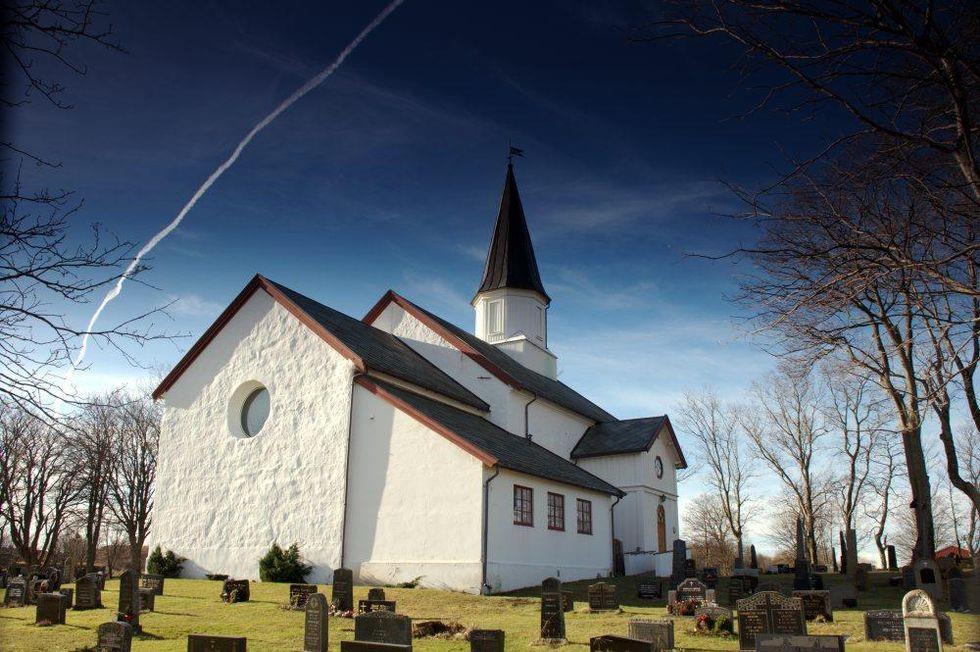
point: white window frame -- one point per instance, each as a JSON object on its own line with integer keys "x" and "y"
{"x": 492, "y": 327}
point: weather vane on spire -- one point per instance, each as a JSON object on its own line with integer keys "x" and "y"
{"x": 512, "y": 152}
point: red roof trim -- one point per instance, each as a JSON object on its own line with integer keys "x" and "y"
{"x": 409, "y": 307}
{"x": 257, "y": 282}
{"x": 476, "y": 452}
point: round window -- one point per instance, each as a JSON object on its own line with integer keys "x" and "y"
{"x": 255, "y": 411}
{"x": 659, "y": 466}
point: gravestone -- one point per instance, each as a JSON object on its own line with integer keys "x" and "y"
{"x": 753, "y": 559}
{"x": 16, "y": 595}
{"x": 801, "y": 580}
{"x": 740, "y": 587}
{"x": 114, "y": 637}
{"x": 843, "y": 553}
{"x": 208, "y": 643}
{"x": 861, "y": 577}
{"x": 959, "y": 597}
{"x": 342, "y": 590}
{"x": 908, "y": 578}
{"x": 50, "y": 609}
{"x": 892, "y": 558}
{"x": 69, "y": 597}
{"x": 921, "y": 623}
{"x": 367, "y": 606}
{"x": 567, "y": 601}
{"x": 383, "y": 627}
{"x": 152, "y": 581}
{"x": 652, "y": 590}
{"x": 235, "y": 591}
{"x": 677, "y": 563}
{"x": 368, "y": 646}
{"x": 376, "y": 593}
{"x": 658, "y": 631}
{"x": 613, "y": 643}
{"x": 709, "y": 576}
{"x": 843, "y": 596}
{"x": 299, "y": 594}
{"x": 928, "y": 579}
{"x": 552, "y": 613}
{"x": 315, "y": 623}
{"x": 884, "y": 625}
{"x": 88, "y": 594}
{"x": 852, "y": 552}
{"x": 602, "y": 597}
{"x": 714, "y": 612}
{"x": 487, "y": 640}
{"x": 694, "y": 589}
{"x": 690, "y": 568}
{"x": 768, "y": 613}
{"x": 833, "y": 558}
{"x": 127, "y": 595}
{"x": 816, "y": 604}
{"x": 148, "y": 599}
{"x": 809, "y": 643}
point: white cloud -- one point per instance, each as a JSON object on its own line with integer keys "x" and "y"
{"x": 194, "y": 305}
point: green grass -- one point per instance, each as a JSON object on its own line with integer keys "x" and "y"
{"x": 193, "y": 607}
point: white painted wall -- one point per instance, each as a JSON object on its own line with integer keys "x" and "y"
{"x": 523, "y": 313}
{"x": 520, "y": 556}
{"x": 414, "y": 507}
{"x": 221, "y": 500}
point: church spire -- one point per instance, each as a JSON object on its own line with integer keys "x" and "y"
{"x": 510, "y": 261}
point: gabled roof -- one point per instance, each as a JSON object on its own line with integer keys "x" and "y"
{"x": 488, "y": 442}
{"x": 501, "y": 365}
{"x": 510, "y": 260}
{"x": 370, "y": 348}
{"x": 627, "y": 436}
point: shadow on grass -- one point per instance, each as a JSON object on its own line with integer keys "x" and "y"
{"x": 176, "y": 613}
{"x": 144, "y": 636}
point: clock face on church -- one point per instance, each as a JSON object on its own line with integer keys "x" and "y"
{"x": 658, "y": 465}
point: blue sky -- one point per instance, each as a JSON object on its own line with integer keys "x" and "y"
{"x": 389, "y": 174}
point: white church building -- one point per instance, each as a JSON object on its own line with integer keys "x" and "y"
{"x": 402, "y": 446}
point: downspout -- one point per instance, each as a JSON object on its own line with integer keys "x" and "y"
{"x": 350, "y": 428}
{"x": 527, "y": 433}
{"x": 484, "y": 587}
{"x": 612, "y": 528}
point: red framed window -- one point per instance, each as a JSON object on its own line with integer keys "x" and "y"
{"x": 523, "y": 505}
{"x": 584, "y": 514}
{"x": 556, "y": 511}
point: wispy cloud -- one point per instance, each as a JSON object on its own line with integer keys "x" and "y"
{"x": 577, "y": 286}
{"x": 473, "y": 252}
{"x": 434, "y": 293}
{"x": 194, "y": 305}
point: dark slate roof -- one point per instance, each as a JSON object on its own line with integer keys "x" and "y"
{"x": 510, "y": 261}
{"x": 615, "y": 437}
{"x": 511, "y": 451}
{"x": 547, "y": 388}
{"x": 382, "y": 351}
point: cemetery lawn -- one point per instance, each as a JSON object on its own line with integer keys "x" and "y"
{"x": 193, "y": 607}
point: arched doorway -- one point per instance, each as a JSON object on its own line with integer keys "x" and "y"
{"x": 661, "y": 529}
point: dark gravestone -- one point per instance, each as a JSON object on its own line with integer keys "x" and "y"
{"x": 753, "y": 559}
{"x": 922, "y": 632}
{"x": 709, "y": 576}
{"x": 677, "y": 563}
{"x": 148, "y": 599}
{"x": 376, "y": 593}
{"x": 567, "y": 601}
{"x": 487, "y": 640}
{"x": 208, "y": 643}
{"x": 602, "y": 597}
{"x": 908, "y": 578}
{"x": 928, "y": 578}
{"x": 768, "y": 613}
{"x": 368, "y": 646}
{"x": 114, "y": 637}
{"x": 235, "y": 591}
{"x": 740, "y": 587}
{"x": 315, "y": 628}
{"x": 816, "y": 605}
{"x": 299, "y": 594}
{"x": 783, "y": 643}
{"x": 892, "y": 558}
{"x": 884, "y": 625}
{"x": 613, "y": 643}
{"x": 650, "y": 590}
{"x": 69, "y": 597}
{"x": 658, "y": 631}
{"x": 552, "y": 613}
{"x": 383, "y": 627}
{"x": 801, "y": 580}
{"x": 16, "y": 595}
{"x": 367, "y": 606}
{"x": 342, "y": 591}
{"x": 128, "y": 595}
{"x": 88, "y": 594}
{"x": 690, "y": 568}
{"x": 843, "y": 553}
{"x": 862, "y": 577}
{"x": 151, "y": 581}
{"x": 50, "y": 609}
{"x": 959, "y": 598}
{"x": 694, "y": 589}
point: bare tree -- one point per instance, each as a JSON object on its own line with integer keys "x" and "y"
{"x": 887, "y": 468}
{"x": 717, "y": 428}
{"x": 708, "y": 533}
{"x": 134, "y": 470}
{"x": 38, "y": 485}
{"x": 788, "y": 439}
{"x": 969, "y": 443}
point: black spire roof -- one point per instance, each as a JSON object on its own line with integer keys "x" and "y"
{"x": 510, "y": 261}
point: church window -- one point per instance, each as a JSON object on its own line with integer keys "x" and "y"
{"x": 255, "y": 411}
{"x": 556, "y": 511}
{"x": 495, "y": 317}
{"x": 523, "y": 505}
{"x": 584, "y": 508}
{"x": 539, "y": 327}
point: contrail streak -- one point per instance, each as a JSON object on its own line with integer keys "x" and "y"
{"x": 288, "y": 102}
